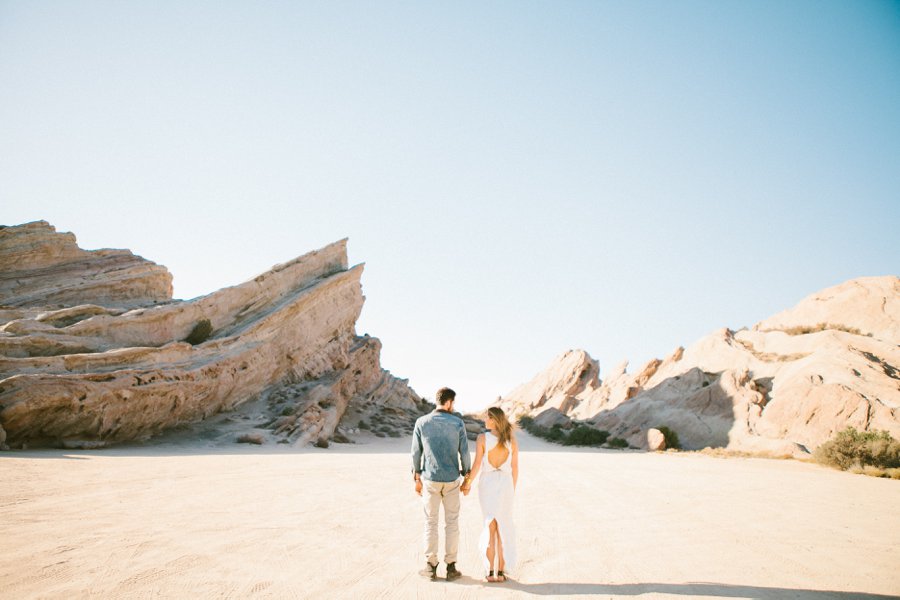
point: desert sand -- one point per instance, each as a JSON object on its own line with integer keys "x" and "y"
{"x": 180, "y": 520}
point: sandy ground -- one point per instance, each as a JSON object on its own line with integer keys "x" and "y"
{"x": 180, "y": 521}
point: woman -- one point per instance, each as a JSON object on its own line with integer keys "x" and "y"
{"x": 497, "y": 459}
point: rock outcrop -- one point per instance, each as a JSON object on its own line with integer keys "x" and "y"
{"x": 127, "y": 366}
{"x": 783, "y": 387}
{"x": 40, "y": 267}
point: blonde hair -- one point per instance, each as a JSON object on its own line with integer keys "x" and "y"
{"x": 501, "y": 424}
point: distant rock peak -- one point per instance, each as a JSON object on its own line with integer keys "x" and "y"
{"x": 783, "y": 387}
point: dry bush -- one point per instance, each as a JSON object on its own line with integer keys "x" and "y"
{"x": 851, "y": 448}
{"x": 770, "y": 356}
{"x": 804, "y": 329}
{"x": 726, "y": 453}
{"x": 875, "y": 472}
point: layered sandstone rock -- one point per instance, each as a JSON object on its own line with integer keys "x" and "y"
{"x": 783, "y": 387}
{"x": 40, "y": 267}
{"x": 105, "y": 371}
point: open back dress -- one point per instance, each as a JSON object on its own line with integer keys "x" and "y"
{"x": 495, "y": 494}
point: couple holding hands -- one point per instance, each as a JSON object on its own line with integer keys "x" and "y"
{"x": 440, "y": 454}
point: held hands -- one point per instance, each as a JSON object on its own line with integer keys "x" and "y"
{"x": 465, "y": 488}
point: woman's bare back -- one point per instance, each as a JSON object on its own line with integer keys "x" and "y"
{"x": 498, "y": 454}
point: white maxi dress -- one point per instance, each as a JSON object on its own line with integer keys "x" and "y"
{"x": 495, "y": 494}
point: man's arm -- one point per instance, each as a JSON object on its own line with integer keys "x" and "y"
{"x": 417, "y": 450}
{"x": 417, "y": 457}
{"x": 465, "y": 459}
{"x": 479, "y": 454}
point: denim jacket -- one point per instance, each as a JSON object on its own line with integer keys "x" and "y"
{"x": 440, "y": 442}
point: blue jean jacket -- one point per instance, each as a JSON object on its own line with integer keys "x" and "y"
{"x": 440, "y": 442}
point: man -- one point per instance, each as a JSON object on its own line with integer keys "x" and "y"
{"x": 440, "y": 442}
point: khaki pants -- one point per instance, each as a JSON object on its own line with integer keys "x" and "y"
{"x": 435, "y": 493}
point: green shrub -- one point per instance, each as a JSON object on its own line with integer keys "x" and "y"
{"x": 527, "y": 423}
{"x": 200, "y": 333}
{"x": 581, "y": 435}
{"x": 618, "y": 443}
{"x": 555, "y": 434}
{"x": 584, "y": 435}
{"x": 538, "y": 431}
{"x": 363, "y": 425}
{"x": 852, "y": 448}
{"x": 671, "y": 437}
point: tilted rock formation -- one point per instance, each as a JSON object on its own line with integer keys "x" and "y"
{"x": 868, "y": 306}
{"x": 40, "y": 267}
{"x": 92, "y": 374}
{"x": 783, "y": 387}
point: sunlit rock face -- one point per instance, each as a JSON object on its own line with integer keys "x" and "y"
{"x": 784, "y": 386}
{"x": 94, "y": 351}
{"x": 40, "y": 267}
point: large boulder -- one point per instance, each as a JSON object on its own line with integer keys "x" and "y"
{"x": 656, "y": 441}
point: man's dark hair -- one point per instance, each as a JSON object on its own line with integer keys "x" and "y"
{"x": 445, "y": 395}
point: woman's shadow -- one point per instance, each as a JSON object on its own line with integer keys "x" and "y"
{"x": 704, "y": 589}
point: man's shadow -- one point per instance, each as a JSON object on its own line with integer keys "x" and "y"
{"x": 695, "y": 590}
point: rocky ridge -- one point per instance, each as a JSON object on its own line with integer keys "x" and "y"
{"x": 42, "y": 268}
{"x": 782, "y": 387}
{"x": 110, "y": 357}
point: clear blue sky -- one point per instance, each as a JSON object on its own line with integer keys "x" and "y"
{"x": 520, "y": 178}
